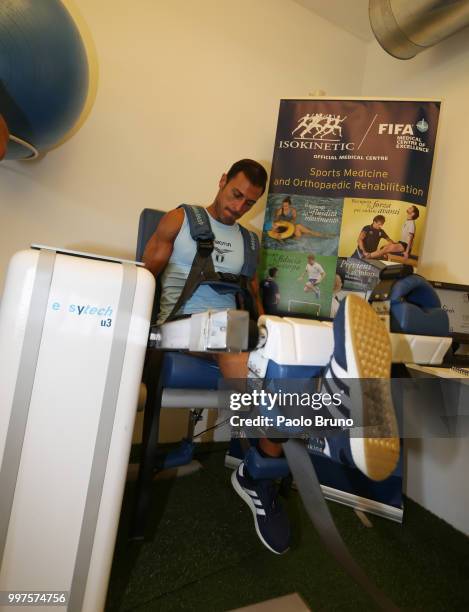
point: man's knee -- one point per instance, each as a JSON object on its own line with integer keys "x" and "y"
{"x": 233, "y": 365}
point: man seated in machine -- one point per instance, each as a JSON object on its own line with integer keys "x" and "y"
{"x": 169, "y": 255}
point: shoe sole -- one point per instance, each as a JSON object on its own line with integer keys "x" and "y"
{"x": 368, "y": 351}
{"x": 247, "y": 498}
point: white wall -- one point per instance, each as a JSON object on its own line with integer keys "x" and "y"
{"x": 441, "y": 73}
{"x": 185, "y": 88}
{"x": 436, "y": 478}
{"x": 437, "y": 468}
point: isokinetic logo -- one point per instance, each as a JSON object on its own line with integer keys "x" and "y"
{"x": 318, "y": 126}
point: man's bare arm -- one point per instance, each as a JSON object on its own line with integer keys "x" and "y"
{"x": 409, "y": 245}
{"x": 160, "y": 246}
{"x": 361, "y": 238}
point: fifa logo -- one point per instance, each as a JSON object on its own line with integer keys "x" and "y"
{"x": 402, "y": 128}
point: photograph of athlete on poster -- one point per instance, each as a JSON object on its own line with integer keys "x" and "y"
{"x": 381, "y": 229}
{"x": 299, "y": 223}
{"x": 297, "y": 282}
{"x": 314, "y": 274}
{"x": 350, "y": 179}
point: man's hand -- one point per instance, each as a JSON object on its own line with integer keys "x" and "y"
{"x": 3, "y": 137}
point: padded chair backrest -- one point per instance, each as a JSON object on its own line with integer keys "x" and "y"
{"x": 147, "y": 224}
{"x": 149, "y": 219}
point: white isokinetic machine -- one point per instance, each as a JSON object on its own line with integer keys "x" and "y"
{"x": 284, "y": 340}
{"x": 73, "y": 335}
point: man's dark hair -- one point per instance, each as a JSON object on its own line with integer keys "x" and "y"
{"x": 273, "y": 272}
{"x": 253, "y": 171}
{"x": 379, "y": 219}
{"x": 287, "y": 200}
{"x": 416, "y": 212}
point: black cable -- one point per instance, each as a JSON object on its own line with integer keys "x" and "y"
{"x": 213, "y": 427}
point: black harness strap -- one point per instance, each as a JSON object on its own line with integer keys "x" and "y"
{"x": 198, "y": 274}
{"x": 203, "y": 272}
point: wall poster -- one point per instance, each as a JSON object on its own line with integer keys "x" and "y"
{"x": 349, "y": 186}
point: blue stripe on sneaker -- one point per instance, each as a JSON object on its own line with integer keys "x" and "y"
{"x": 338, "y": 381}
{"x": 342, "y": 409}
{"x": 270, "y": 519}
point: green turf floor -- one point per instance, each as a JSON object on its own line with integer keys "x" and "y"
{"x": 202, "y": 554}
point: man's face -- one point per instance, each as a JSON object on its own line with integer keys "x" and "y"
{"x": 410, "y": 212}
{"x": 235, "y": 198}
{"x": 378, "y": 224}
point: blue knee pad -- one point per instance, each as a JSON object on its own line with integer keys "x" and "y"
{"x": 415, "y": 308}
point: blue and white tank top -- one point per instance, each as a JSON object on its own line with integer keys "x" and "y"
{"x": 227, "y": 256}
